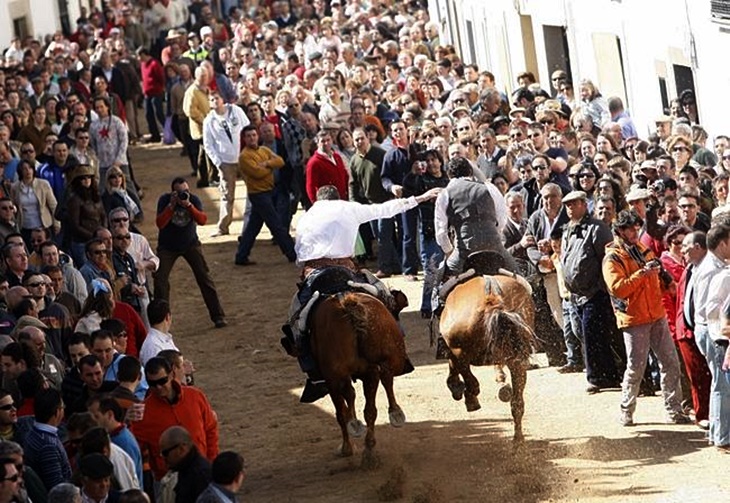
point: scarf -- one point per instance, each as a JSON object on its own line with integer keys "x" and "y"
{"x": 128, "y": 201}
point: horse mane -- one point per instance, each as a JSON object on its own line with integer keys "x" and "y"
{"x": 507, "y": 336}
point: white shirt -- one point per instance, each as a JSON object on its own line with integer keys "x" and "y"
{"x": 329, "y": 229}
{"x": 708, "y": 268}
{"x": 140, "y": 250}
{"x": 124, "y": 470}
{"x": 155, "y": 342}
{"x": 719, "y": 292}
{"x": 441, "y": 219}
{"x": 219, "y": 147}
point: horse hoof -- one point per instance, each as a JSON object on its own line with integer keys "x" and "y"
{"x": 355, "y": 428}
{"x": 457, "y": 390}
{"x": 397, "y": 417}
{"x": 472, "y": 404}
{"x": 505, "y": 393}
{"x": 370, "y": 460}
{"x": 345, "y": 450}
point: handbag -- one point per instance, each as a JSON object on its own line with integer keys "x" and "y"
{"x": 168, "y": 135}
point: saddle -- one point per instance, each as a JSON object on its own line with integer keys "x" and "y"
{"x": 481, "y": 263}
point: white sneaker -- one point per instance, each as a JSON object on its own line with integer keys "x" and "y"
{"x": 626, "y": 419}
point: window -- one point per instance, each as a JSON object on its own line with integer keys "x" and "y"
{"x": 20, "y": 27}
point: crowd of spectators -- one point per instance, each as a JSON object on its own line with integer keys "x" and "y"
{"x": 624, "y": 236}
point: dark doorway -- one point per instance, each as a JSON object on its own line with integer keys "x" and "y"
{"x": 663, "y": 93}
{"x": 63, "y": 16}
{"x": 556, "y": 49}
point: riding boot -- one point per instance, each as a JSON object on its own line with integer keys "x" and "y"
{"x": 288, "y": 342}
{"x": 315, "y": 388}
{"x": 442, "y": 350}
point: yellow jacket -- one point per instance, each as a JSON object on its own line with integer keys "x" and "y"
{"x": 257, "y": 168}
{"x": 196, "y": 107}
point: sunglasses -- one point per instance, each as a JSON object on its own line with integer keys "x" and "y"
{"x": 679, "y": 149}
{"x": 539, "y": 166}
{"x": 9, "y": 406}
{"x": 463, "y": 128}
{"x": 119, "y": 220}
{"x": 677, "y": 242}
{"x": 726, "y": 157}
{"x": 27, "y": 151}
{"x": 14, "y": 478}
{"x": 33, "y": 285}
{"x": 687, "y": 206}
{"x": 126, "y": 237}
{"x": 98, "y": 252}
{"x": 153, "y": 383}
{"x": 517, "y": 135}
{"x": 429, "y": 135}
{"x": 586, "y": 175}
{"x": 166, "y": 452}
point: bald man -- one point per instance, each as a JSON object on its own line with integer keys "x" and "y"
{"x": 182, "y": 456}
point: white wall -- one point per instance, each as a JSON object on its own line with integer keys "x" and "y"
{"x": 45, "y": 17}
{"x": 654, "y": 35}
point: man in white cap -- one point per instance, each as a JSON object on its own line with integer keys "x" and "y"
{"x": 583, "y": 246}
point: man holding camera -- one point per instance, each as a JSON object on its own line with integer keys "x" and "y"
{"x": 178, "y": 215}
{"x": 635, "y": 280}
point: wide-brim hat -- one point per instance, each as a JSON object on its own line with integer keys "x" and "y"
{"x": 83, "y": 170}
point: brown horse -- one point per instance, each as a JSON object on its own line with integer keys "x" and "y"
{"x": 354, "y": 336}
{"x": 488, "y": 320}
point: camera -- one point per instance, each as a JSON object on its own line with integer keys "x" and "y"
{"x": 658, "y": 186}
{"x": 654, "y": 264}
{"x": 183, "y": 195}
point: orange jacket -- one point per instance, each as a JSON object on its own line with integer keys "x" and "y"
{"x": 636, "y": 297}
{"x": 192, "y": 411}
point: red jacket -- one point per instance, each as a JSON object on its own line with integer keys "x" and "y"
{"x": 192, "y": 411}
{"x": 681, "y": 331}
{"x": 669, "y": 299}
{"x": 321, "y": 171}
{"x": 153, "y": 78}
{"x": 136, "y": 331}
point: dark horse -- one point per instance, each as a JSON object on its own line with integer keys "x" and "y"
{"x": 488, "y": 320}
{"x": 354, "y": 336}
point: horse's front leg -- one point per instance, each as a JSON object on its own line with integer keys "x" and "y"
{"x": 395, "y": 414}
{"x": 518, "y": 375}
{"x": 370, "y": 387}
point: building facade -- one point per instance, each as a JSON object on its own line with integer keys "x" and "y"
{"x": 37, "y": 18}
{"x": 645, "y": 51}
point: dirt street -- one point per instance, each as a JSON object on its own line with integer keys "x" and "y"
{"x": 575, "y": 448}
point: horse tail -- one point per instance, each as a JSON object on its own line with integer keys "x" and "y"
{"x": 509, "y": 337}
{"x": 356, "y": 313}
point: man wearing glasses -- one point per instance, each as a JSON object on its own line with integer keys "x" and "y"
{"x": 7, "y": 218}
{"x": 170, "y": 404}
{"x": 9, "y": 481}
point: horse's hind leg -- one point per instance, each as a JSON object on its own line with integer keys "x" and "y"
{"x": 454, "y": 382}
{"x": 471, "y": 385}
{"x": 395, "y": 413}
{"x": 342, "y": 417}
{"x": 518, "y": 374}
{"x": 354, "y": 425}
{"x": 370, "y": 386}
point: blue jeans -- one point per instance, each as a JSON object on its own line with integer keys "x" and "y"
{"x": 263, "y": 212}
{"x": 384, "y": 230}
{"x": 572, "y": 334}
{"x": 409, "y": 259}
{"x": 598, "y": 324}
{"x": 719, "y": 389}
{"x": 431, "y": 257}
{"x": 153, "y": 112}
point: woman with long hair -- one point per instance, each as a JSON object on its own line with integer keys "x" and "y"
{"x": 34, "y": 200}
{"x": 84, "y": 212}
{"x": 593, "y": 104}
{"x": 101, "y": 305}
{"x": 115, "y": 195}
